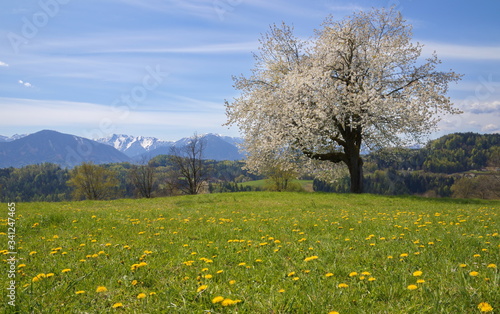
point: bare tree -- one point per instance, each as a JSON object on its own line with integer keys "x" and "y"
{"x": 189, "y": 166}
{"x": 143, "y": 177}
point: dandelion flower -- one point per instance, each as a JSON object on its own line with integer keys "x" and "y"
{"x": 295, "y": 278}
{"x": 473, "y": 273}
{"x": 117, "y": 305}
{"x": 80, "y": 292}
{"x": 328, "y": 275}
{"x": 49, "y": 275}
{"x": 371, "y": 279}
{"x": 489, "y": 266}
{"x": 417, "y": 273}
{"x": 343, "y": 285}
{"x": 403, "y": 255}
{"x": 333, "y": 312}
{"x": 201, "y": 288}
{"x": 462, "y": 265}
{"x": 65, "y": 270}
{"x": 412, "y": 287}
{"x": 420, "y": 281}
{"x": 134, "y": 282}
{"x": 352, "y": 274}
{"x": 485, "y": 307}
{"x": 21, "y": 265}
{"x": 308, "y": 259}
{"x": 217, "y": 299}
{"x": 291, "y": 274}
{"x": 228, "y": 302}
{"x": 101, "y": 289}
{"x": 232, "y": 282}
{"x": 141, "y": 296}
{"x": 281, "y": 290}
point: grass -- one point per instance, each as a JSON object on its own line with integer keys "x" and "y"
{"x": 266, "y": 252}
{"x": 306, "y": 185}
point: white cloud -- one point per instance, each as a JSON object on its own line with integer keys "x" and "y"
{"x": 27, "y": 84}
{"x": 97, "y": 118}
{"x": 3, "y": 64}
{"x": 490, "y": 128}
{"x": 462, "y": 52}
{"x": 482, "y": 107}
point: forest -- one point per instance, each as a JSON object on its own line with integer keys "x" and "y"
{"x": 462, "y": 165}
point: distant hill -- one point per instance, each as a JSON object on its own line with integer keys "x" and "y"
{"x": 63, "y": 149}
{"x": 217, "y": 147}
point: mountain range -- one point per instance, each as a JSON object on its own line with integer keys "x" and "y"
{"x": 69, "y": 150}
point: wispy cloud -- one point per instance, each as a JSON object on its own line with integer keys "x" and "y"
{"x": 463, "y": 52}
{"x": 3, "y": 64}
{"x": 482, "y": 108}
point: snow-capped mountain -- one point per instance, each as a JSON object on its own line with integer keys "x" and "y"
{"x": 133, "y": 145}
{"x": 14, "y": 137}
{"x": 218, "y": 147}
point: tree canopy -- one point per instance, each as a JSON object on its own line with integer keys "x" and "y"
{"x": 358, "y": 81}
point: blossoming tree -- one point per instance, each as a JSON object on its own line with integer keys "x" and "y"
{"x": 358, "y": 81}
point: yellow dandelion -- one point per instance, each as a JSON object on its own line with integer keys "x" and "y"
{"x": 412, "y": 287}
{"x": 333, "y": 312}
{"x": 473, "y": 273}
{"x": 232, "y": 282}
{"x": 462, "y": 265}
{"x": 242, "y": 264}
{"x": 403, "y": 255}
{"x": 117, "y": 305}
{"x": 220, "y": 271}
{"x": 228, "y": 302}
{"x": 371, "y": 279}
{"x": 80, "y": 292}
{"x": 343, "y": 285}
{"x": 208, "y": 276}
{"x": 291, "y": 274}
{"x": 328, "y": 275}
{"x": 281, "y": 290}
{"x": 152, "y": 293}
{"x": 417, "y": 273}
{"x": 49, "y": 275}
{"x": 101, "y": 289}
{"x": 217, "y": 299}
{"x": 311, "y": 258}
{"x": 134, "y": 282}
{"x": 295, "y": 278}
{"x": 352, "y": 274}
{"x": 492, "y": 266}
{"x": 366, "y": 273}
{"x": 485, "y": 307}
{"x": 201, "y": 288}
{"x": 32, "y": 253}
{"x": 65, "y": 270}
{"x": 141, "y": 296}
{"x": 420, "y": 281}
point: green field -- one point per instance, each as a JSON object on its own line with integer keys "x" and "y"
{"x": 257, "y": 252}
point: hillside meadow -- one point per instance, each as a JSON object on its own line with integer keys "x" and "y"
{"x": 256, "y": 252}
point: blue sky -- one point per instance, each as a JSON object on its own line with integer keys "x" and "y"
{"x": 163, "y": 68}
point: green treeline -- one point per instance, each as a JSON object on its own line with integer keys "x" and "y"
{"x": 51, "y": 183}
{"x": 459, "y": 165}
{"x": 456, "y": 165}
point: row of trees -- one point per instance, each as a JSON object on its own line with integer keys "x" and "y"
{"x": 184, "y": 171}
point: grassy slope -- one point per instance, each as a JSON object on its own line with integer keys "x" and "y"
{"x": 260, "y": 240}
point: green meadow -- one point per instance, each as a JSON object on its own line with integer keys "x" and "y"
{"x": 255, "y": 252}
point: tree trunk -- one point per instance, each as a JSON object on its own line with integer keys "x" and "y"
{"x": 355, "y": 165}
